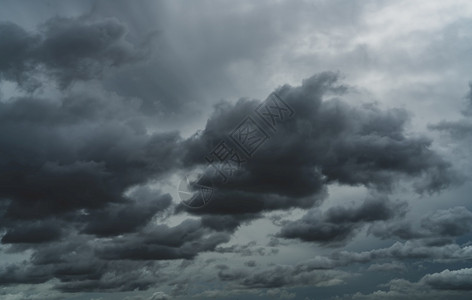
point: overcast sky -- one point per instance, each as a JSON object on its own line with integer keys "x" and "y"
{"x": 327, "y": 146}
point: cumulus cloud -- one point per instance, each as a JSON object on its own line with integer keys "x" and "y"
{"x": 328, "y": 141}
{"x": 75, "y": 165}
{"x": 90, "y": 158}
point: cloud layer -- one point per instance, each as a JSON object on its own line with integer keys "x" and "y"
{"x": 324, "y": 183}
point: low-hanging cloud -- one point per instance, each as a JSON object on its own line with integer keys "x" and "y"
{"x": 74, "y": 170}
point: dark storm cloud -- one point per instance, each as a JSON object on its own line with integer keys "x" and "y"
{"x": 16, "y": 274}
{"x": 117, "y": 219}
{"x": 66, "y": 49}
{"x": 68, "y": 163}
{"x": 433, "y": 238}
{"x": 227, "y": 222}
{"x": 74, "y": 264}
{"x": 126, "y": 263}
{"x": 68, "y": 260}
{"x": 163, "y": 242}
{"x": 33, "y": 232}
{"x": 122, "y": 276}
{"x": 328, "y": 141}
{"x": 439, "y": 226}
{"x": 382, "y": 259}
{"x": 74, "y": 166}
{"x": 54, "y": 163}
{"x": 85, "y": 158}
{"x": 338, "y": 224}
{"x": 327, "y": 270}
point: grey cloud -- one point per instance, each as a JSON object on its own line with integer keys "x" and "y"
{"x": 16, "y": 274}
{"x": 468, "y": 109}
{"x": 33, "y": 232}
{"x": 388, "y": 267}
{"x": 120, "y": 277}
{"x": 186, "y": 241}
{"x": 159, "y": 296}
{"x": 66, "y": 49}
{"x": 92, "y": 159}
{"x": 227, "y": 222}
{"x": 328, "y": 141}
{"x": 458, "y": 129}
{"x": 462, "y": 128}
{"x": 400, "y": 289}
{"x": 68, "y": 261}
{"x": 408, "y": 250}
{"x": 250, "y": 263}
{"x": 454, "y": 221}
{"x": 439, "y": 226}
{"x": 283, "y": 276}
{"x": 389, "y": 258}
{"x": 402, "y": 229}
{"x": 338, "y": 224}
{"x": 447, "y": 284}
{"x": 249, "y": 249}
{"x": 74, "y": 266}
{"x": 450, "y": 280}
{"x": 89, "y": 159}
{"x": 326, "y": 271}
{"x": 66, "y": 162}
{"x": 124, "y": 218}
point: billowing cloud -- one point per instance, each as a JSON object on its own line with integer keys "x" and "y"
{"x": 328, "y": 141}
{"x": 98, "y": 104}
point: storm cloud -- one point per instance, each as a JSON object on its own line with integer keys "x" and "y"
{"x": 329, "y": 141}
{"x": 338, "y": 224}
{"x": 347, "y": 132}
{"x": 65, "y": 49}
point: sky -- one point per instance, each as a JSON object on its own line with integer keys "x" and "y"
{"x": 154, "y": 150}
